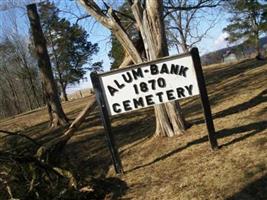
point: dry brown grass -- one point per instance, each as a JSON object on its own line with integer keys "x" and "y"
{"x": 180, "y": 167}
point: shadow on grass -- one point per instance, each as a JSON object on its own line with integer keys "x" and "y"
{"x": 107, "y": 188}
{"x": 228, "y": 71}
{"x": 89, "y": 155}
{"x": 260, "y": 98}
{"x": 86, "y": 166}
{"x": 88, "y": 151}
{"x": 252, "y": 128}
{"x": 256, "y": 190}
{"x": 218, "y": 91}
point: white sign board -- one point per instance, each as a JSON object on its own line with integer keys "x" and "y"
{"x": 148, "y": 84}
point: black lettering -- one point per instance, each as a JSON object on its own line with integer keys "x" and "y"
{"x": 126, "y": 105}
{"x": 183, "y": 70}
{"x": 159, "y": 94}
{"x": 189, "y": 89}
{"x": 137, "y": 73}
{"x": 112, "y": 90}
{"x": 118, "y": 84}
{"x": 153, "y": 84}
{"x": 170, "y": 95}
{"x": 136, "y": 89}
{"x": 164, "y": 69}
{"x": 128, "y": 78}
{"x": 174, "y": 69}
{"x": 115, "y": 108}
{"x": 154, "y": 69}
{"x": 143, "y": 87}
{"x": 180, "y": 92}
{"x": 161, "y": 82}
{"x": 138, "y": 102}
{"x": 149, "y": 100}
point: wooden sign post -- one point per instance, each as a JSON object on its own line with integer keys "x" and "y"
{"x": 204, "y": 98}
{"x": 147, "y": 84}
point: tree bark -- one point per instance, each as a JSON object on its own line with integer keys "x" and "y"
{"x": 58, "y": 117}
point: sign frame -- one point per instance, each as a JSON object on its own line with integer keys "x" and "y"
{"x": 102, "y": 100}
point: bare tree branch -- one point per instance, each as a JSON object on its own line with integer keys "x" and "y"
{"x": 20, "y": 135}
{"x": 112, "y": 22}
{"x": 198, "y": 5}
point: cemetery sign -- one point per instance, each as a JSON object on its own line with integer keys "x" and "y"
{"x": 147, "y": 84}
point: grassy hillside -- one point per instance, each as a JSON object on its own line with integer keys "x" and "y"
{"x": 181, "y": 167}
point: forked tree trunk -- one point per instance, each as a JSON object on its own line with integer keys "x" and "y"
{"x": 149, "y": 21}
{"x": 57, "y": 116}
{"x": 169, "y": 118}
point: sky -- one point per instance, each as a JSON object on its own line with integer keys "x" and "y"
{"x": 214, "y": 40}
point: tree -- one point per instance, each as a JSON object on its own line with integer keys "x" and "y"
{"x": 116, "y": 53}
{"x": 151, "y": 44}
{"x": 149, "y": 20}
{"x": 68, "y": 47}
{"x": 8, "y": 83}
{"x": 183, "y": 26}
{"x": 20, "y": 88}
{"x": 248, "y": 21}
{"x": 29, "y": 73}
{"x": 97, "y": 67}
{"x": 19, "y": 67}
{"x": 56, "y": 114}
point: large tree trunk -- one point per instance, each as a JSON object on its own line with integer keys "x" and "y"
{"x": 169, "y": 118}
{"x": 52, "y": 99}
{"x": 149, "y": 21}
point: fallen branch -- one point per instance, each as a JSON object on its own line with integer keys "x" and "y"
{"x": 60, "y": 142}
{"x": 20, "y": 135}
{"x": 42, "y": 165}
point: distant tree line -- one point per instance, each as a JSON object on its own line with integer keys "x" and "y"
{"x": 70, "y": 53}
{"x": 20, "y": 87}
